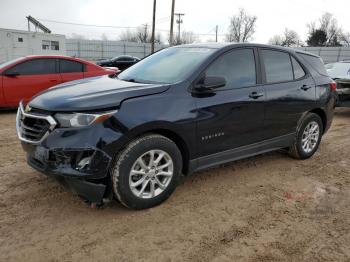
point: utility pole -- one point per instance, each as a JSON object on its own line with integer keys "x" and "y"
{"x": 153, "y": 25}
{"x": 171, "y": 41}
{"x": 143, "y": 38}
{"x": 179, "y": 22}
{"x": 216, "y": 33}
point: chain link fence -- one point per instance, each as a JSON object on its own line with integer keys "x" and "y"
{"x": 95, "y": 50}
{"x": 329, "y": 54}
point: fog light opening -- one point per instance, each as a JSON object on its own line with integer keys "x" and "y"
{"x": 83, "y": 163}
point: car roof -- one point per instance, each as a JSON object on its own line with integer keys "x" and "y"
{"x": 54, "y": 56}
{"x": 228, "y": 45}
{"x": 29, "y": 57}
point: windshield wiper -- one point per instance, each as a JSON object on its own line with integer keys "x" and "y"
{"x": 130, "y": 80}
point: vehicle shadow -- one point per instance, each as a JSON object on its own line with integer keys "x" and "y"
{"x": 8, "y": 111}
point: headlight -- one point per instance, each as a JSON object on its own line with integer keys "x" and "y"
{"x": 81, "y": 119}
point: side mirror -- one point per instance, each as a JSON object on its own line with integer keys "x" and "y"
{"x": 208, "y": 83}
{"x": 11, "y": 74}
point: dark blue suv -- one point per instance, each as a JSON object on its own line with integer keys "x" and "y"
{"x": 180, "y": 110}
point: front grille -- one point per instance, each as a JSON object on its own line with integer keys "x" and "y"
{"x": 33, "y": 128}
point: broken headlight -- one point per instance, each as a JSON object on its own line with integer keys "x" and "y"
{"x": 81, "y": 119}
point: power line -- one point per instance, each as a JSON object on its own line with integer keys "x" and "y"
{"x": 91, "y": 25}
{"x": 119, "y": 27}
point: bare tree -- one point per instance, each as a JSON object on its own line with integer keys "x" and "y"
{"x": 276, "y": 40}
{"x": 140, "y": 35}
{"x": 327, "y": 33}
{"x": 289, "y": 38}
{"x": 345, "y": 39}
{"x": 242, "y": 27}
{"x": 104, "y": 37}
{"x": 78, "y": 36}
{"x": 187, "y": 37}
{"x": 329, "y": 25}
{"x": 129, "y": 36}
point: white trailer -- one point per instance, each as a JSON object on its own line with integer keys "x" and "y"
{"x": 17, "y": 43}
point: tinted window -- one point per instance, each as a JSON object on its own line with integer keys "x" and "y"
{"x": 298, "y": 70}
{"x": 68, "y": 66}
{"x": 237, "y": 67}
{"x": 125, "y": 59}
{"x": 5, "y": 64}
{"x": 315, "y": 62}
{"x": 35, "y": 67}
{"x": 278, "y": 66}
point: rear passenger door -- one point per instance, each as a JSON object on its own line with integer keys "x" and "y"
{"x": 290, "y": 91}
{"x": 71, "y": 70}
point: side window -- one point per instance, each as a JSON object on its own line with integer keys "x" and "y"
{"x": 237, "y": 67}
{"x": 69, "y": 66}
{"x": 278, "y": 67}
{"x": 128, "y": 59}
{"x": 315, "y": 62}
{"x": 125, "y": 59}
{"x": 298, "y": 70}
{"x": 119, "y": 59}
{"x": 35, "y": 67}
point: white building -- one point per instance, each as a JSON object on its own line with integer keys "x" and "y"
{"x": 17, "y": 43}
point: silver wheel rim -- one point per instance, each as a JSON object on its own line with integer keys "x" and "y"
{"x": 310, "y": 136}
{"x": 151, "y": 174}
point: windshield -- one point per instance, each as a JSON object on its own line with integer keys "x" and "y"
{"x": 3, "y": 65}
{"x": 170, "y": 65}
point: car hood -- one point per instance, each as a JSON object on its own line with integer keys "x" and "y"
{"x": 340, "y": 70}
{"x": 92, "y": 94}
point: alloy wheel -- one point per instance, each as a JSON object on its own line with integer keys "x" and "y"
{"x": 310, "y": 136}
{"x": 151, "y": 174}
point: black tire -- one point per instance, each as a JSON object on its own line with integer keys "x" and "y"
{"x": 125, "y": 161}
{"x": 296, "y": 150}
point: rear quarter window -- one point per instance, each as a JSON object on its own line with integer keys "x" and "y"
{"x": 314, "y": 62}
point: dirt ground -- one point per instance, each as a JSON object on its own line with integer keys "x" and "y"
{"x": 266, "y": 208}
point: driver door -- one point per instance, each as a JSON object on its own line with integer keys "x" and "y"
{"x": 24, "y": 80}
{"x": 231, "y": 116}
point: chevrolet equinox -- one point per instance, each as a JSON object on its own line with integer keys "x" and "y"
{"x": 180, "y": 110}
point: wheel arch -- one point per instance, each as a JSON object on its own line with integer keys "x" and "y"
{"x": 166, "y": 130}
{"x": 322, "y": 114}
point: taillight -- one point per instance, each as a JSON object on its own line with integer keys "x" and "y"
{"x": 333, "y": 86}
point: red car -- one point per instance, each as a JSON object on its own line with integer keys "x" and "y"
{"x": 24, "y": 77}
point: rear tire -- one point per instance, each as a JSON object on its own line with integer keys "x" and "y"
{"x": 146, "y": 172}
{"x": 308, "y": 137}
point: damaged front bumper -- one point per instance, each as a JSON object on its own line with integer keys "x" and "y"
{"x": 82, "y": 170}
{"x": 78, "y": 157}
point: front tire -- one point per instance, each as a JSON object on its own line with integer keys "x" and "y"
{"x": 308, "y": 137}
{"x": 146, "y": 172}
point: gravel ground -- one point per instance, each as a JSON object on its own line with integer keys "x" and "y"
{"x": 266, "y": 208}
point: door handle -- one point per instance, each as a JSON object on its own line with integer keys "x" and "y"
{"x": 305, "y": 87}
{"x": 255, "y": 95}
